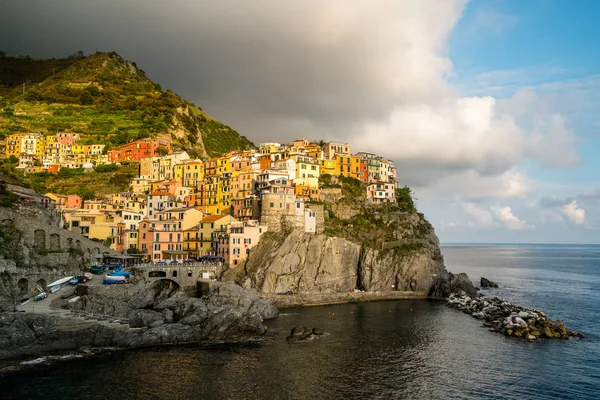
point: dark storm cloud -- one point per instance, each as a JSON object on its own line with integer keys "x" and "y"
{"x": 267, "y": 68}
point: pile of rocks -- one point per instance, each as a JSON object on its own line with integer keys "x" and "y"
{"x": 509, "y": 319}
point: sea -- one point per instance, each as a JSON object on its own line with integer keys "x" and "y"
{"x": 408, "y": 349}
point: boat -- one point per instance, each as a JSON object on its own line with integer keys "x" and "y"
{"x": 114, "y": 278}
{"x": 88, "y": 276}
{"x": 61, "y": 281}
{"x": 97, "y": 269}
{"x": 109, "y": 282}
{"x": 73, "y": 300}
{"x": 74, "y": 281}
{"x": 40, "y": 296}
{"x": 54, "y": 288}
{"x": 120, "y": 273}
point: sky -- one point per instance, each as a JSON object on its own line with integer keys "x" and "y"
{"x": 489, "y": 109}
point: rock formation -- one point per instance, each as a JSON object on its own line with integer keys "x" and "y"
{"x": 485, "y": 283}
{"x": 228, "y": 313}
{"x": 390, "y": 252}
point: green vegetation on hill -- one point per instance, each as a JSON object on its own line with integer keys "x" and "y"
{"x": 104, "y": 180}
{"x": 107, "y": 100}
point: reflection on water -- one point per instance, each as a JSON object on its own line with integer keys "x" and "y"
{"x": 384, "y": 350}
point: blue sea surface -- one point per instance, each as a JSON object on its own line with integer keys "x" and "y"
{"x": 414, "y": 349}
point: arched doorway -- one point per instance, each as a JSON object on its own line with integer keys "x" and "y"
{"x": 42, "y": 284}
{"x": 23, "y": 285}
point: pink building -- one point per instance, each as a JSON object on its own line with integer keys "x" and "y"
{"x": 234, "y": 246}
{"x": 66, "y": 138}
{"x": 381, "y": 192}
{"x": 161, "y": 240}
{"x": 73, "y": 201}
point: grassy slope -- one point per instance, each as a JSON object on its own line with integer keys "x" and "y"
{"x": 107, "y": 100}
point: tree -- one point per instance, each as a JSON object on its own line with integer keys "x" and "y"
{"x": 162, "y": 151}
{"x": 13, "y": 160}
{"x": 86, "y": 98}
{"x": 404, "y": 198}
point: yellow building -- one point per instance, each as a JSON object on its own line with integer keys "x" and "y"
{"x": 207, "y": 195}
{"x": 328, "y": 167}
{"x": 191, "y": 241}
{"x": 348, "y": 166}
{"x": 208, "y": 230}
{"x": 192, "y": 173}
{"x": 13, "y": 144}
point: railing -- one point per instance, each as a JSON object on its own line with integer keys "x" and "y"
{"x": 204, "y": 265}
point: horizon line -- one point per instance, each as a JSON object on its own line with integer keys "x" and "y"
{"x": 518, "y": 243}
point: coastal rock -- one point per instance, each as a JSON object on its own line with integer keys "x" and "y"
{"x": 229, "y": 313}
{"x": 301, "y": 334}
{"x": 461, "y": 282}
{"x": 509, "y": 319}
{"x": 486, "y": 283}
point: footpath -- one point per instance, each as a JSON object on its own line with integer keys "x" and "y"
{"x": 322, "y": 299}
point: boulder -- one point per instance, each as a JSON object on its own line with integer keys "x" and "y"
{"x": 486, "y": 283}
{"x": 462, "y": 282}
{"x": 301, "y": 334}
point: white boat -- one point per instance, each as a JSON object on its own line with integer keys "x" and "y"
{"x": 88, "y": 276}
{"x": 114, "y": 278}
{"x": 61, "y": 281}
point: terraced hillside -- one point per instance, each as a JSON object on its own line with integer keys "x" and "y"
{"x": 107, "y": 100}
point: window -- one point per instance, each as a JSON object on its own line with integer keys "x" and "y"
{"x": 157, "y": 247}
{"x": 271, "y": 205}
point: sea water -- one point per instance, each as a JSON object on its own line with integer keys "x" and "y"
{"x": 381, "y": 350}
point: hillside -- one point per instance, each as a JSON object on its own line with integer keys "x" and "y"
{"x": 107, "y": 100}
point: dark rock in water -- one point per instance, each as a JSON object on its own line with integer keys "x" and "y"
{"x": 440, "y": 288}
{"x": 487, "y": 283}
{"x": 300, "y": 334}
{"x": 461, "y": 282}
{"x": 510, "y": 319}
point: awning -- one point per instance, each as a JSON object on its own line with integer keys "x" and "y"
{"x": 175, "y": 252}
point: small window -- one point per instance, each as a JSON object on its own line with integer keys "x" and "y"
{"x": 189, "y": 274}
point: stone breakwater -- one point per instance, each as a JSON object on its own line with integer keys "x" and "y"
{"x": 511, "y": 320}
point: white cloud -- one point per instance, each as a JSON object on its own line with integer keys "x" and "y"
{"x": 575, "y": 215}
{"x": 506, "y": 217}
{"x": 483, "y": 218}
{"x": 470, "y": 184}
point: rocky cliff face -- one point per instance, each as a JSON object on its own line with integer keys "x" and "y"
{"x": 398, "y": 252}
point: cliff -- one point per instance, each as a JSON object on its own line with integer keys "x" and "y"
{"x": 365, "y": 248}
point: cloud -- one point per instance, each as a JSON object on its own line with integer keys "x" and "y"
{"x": 506, "y": 217}
{"x": 551, "y": 217}
{"x": 475, "y": 186}
{"x": 376, "y": 74}
{"x": 575, "y": 215}
{"x": 483, "y": 218}
{"x": 552, "y": 201}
